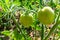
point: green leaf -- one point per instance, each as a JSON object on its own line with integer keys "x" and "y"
{"x": 17, "y": 3}
{"x": 22, "y": 38}
{"x": 7, "y": 1}
{"x": 38, "y": 28}
{"x": 59, "y": 34}
{"x": 17, "y": 35}
{"x": 29, "y": 38}
{"x": 56, "y": 1}
{"x": 6, "y": 32}
{"x": 1, "y": 14}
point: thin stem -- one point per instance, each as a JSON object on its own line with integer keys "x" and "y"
{"x": 42, "y": 32}
{"x": 17, "y": 26}
{"x": 53, "y": 28}
{"x": 35, "y": 25}
{"x": 4, "y": 4}
{"x": 40, "y": 3}
{"x": 15, "y": 22}
{"x": 54, "y": 34}
{"x": 21, "y": 3}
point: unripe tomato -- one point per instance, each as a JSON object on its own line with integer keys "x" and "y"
{"x": 26, "y": 20}
{"x": 46, "y": 15}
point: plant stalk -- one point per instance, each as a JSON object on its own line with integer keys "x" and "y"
{"x": 17, "y": 26}
{"x": 42, "y": 32}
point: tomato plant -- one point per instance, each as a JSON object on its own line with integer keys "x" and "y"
{"x": 29, "y": 19}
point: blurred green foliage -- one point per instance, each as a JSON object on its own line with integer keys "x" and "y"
{"x": 8, "y": 20}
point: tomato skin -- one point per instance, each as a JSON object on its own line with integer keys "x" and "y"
{"x": 46, "y": 15}
{"x": 26, "y": 20}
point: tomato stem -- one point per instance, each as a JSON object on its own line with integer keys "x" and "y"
{"x": 17, "y": 26}
{"x": 40, "y": 3}
{"x": 42, "y": 32}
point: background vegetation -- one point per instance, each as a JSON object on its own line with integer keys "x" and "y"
{"x": 12, "y": 29}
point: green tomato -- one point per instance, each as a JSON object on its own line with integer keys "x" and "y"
{"x": 26, "y": 20}
{"x": 46, "y": 15}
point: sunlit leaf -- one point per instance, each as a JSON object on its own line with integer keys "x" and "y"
{"x": 6, "y": 32}
{"x": 7, "y": 1}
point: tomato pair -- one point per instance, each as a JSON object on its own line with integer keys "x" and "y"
{"x": 45, "y": 16}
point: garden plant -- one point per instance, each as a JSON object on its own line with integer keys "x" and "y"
{"x": 29, "y": 19}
